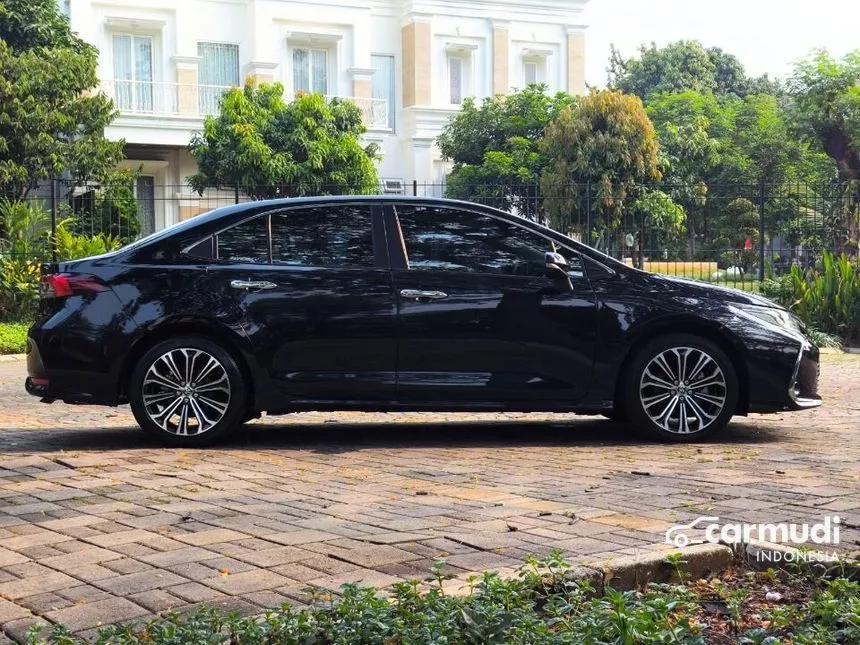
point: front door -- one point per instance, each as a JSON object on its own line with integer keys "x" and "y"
{"x": 479, "y": 319}
{"x": 316, "y": 300}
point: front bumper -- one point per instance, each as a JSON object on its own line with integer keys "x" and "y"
{"x": 803, "y": 391}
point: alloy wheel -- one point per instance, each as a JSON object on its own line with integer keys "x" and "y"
{"x": 186, "y": 391}
{"x": 683, "y": 390}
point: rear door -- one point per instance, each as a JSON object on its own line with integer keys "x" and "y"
{"x": 314, "y": 293}
{"x": 479, "y": 319}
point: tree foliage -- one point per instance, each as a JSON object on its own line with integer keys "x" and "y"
{"x": 681, "y": 66}
{"x": 606, "y": 142}
{"x": 267, "y": 147}
{"x": 495, "y": 148}
{"x": 50, "y": 120}
{"x": 826, "y": 107}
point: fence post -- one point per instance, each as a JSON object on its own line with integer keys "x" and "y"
{"x": 588, "y": 213}
{"x": 236, "y": 194}
{"x": 53, "y": 219}
{"x": 415, "y": 188}
{"x": 761, "y": 231}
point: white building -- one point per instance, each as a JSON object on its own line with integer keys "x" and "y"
{"x": 408, "y": 64}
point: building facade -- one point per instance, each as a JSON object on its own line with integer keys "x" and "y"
{"x": 407, "y": 64}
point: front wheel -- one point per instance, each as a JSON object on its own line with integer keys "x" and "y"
{"x": 681, "y": 387}
{"x": 187, "y": 392}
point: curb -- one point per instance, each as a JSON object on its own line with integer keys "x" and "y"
{"x": 4, "y": 358}
{"x": 768, "y": 555}
{"x": 635, "y": 572}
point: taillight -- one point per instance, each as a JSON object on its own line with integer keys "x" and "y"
{"x": 63, "y": 285}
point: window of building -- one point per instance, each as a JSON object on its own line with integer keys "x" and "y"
{"x": 383, "y": 83}
{"x": 458, "y": 77}
{"x": 447, "y": 239}
{"x": 310, "y": 70}
{"x": 245, "y": 242}
{"x": 534, "y": 70}
{"x": 132, "y": 72}
{"x": 338, "y": 236}
{"x": 218, "y": 69}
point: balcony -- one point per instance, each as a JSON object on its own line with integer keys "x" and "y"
{"x": 159, "y": 99}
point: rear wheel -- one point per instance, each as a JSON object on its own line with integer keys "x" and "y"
{"x": 187, "y": 392}
{"x": 681, "y": 387}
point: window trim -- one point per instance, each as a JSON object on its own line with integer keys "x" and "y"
{"x": 399, "y": 254}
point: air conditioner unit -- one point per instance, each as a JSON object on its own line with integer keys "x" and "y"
{"x": 393, "y": 187}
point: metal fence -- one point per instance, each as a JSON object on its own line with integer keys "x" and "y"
{"x": 735, "y": 234}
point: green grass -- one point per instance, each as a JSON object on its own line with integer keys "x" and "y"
{"x": 13, "y": 338}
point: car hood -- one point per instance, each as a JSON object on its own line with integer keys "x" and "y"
{"x": 698, "y": 289}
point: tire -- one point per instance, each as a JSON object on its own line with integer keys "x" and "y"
{"x": 694, "y": 407}
{"x": 207, "y": 411}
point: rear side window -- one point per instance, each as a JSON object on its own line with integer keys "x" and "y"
{"x": 336, "y": 235}
{"x": 245, "y": 242}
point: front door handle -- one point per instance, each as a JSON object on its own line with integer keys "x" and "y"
{"x": 252, "y": 284}
{"x": 417, "y": 294}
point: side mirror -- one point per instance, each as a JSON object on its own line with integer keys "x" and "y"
{"x": 556, "y": 265}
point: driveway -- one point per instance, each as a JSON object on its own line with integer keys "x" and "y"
{"x": 97, "y": 524}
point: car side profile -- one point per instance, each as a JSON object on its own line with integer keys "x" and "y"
{"x": 395, "y": 303}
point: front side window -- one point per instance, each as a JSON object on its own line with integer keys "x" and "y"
{"x": 245, "y": 242}
{"x": 310, "y": 70}
{"x": 335, "y": 235}
{"x": 132, "y": 72}
{"x": 445, "y": 239}
{"x": 218, "y": 70}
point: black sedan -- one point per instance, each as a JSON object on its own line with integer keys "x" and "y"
{"x": 394, "y": 303}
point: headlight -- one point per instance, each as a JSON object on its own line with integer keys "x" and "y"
{"x": 771, "y": 317}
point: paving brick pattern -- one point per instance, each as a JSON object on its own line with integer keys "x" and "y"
{"x": 98, "y": 524}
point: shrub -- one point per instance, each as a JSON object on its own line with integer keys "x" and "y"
{"x": 13, "y": 338}
{"x": 828, "y": 299}
{"x": 19, "y": 289}
{"x": 109, "y": 209}
{"x": 74, "y": 247}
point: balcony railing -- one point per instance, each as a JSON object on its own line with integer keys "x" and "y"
{"x": 196, "y": 101}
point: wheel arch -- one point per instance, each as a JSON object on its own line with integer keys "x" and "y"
{"x": 719, "y": 336}
{"x": 232, "y": 342}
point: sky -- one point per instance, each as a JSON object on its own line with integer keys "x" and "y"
{"x": 766, "y": 35}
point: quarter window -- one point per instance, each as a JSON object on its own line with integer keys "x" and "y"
{"x": 324, "y": 236}
{"x": 245, "y": 242}
{"x": 444, "y": 239}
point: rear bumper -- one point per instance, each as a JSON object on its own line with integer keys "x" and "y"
{"x": 68, "y": 385}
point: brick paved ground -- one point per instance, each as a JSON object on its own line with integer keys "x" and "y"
{"x": 99, "y": 525}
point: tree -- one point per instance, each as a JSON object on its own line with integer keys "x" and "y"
{"x": 51, "y": 121}
{"x": 826, "y": 107}
{"x": 267, "y": 147}
{"x": 681, "y": 66}
{"x": 826, "y": 111}
{"x": 607, "y": 145}
{"x": 495, "y": 148}
{"x": 661, "y": 222}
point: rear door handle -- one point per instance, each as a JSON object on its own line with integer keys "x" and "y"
{"x": 417, "y": 294}
{"x": 252, "y": 284}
